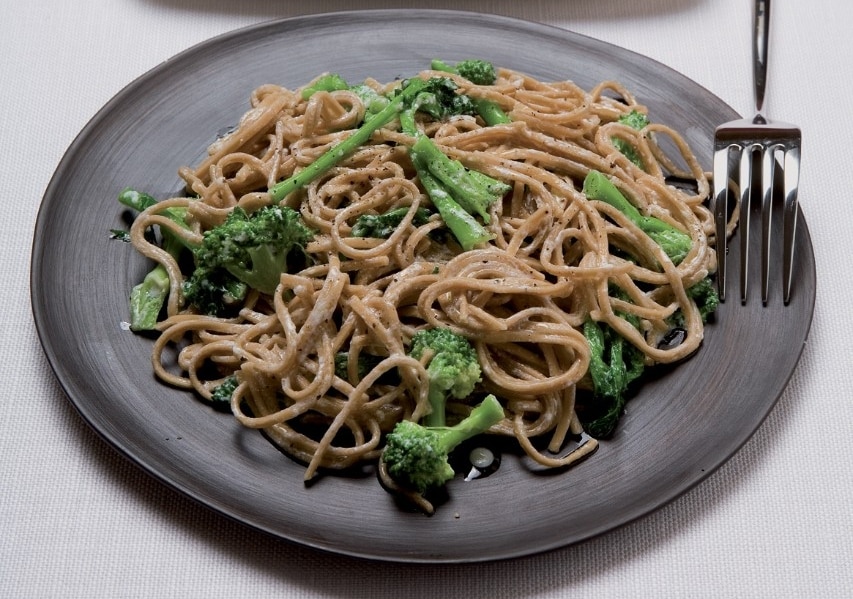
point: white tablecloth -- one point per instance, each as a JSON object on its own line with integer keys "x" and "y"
{"x": 78, "y": 520}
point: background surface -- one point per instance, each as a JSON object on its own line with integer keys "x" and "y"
{"x": 78, "y": 520}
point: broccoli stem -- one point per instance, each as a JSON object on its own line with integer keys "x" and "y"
{"x": 342, "y": 149}
{"x": 372, "y": 100}
{"x": 450, "y": 201}
{"x": 636, "y": 120}
{"x": 136, "y": 200}
{"x": 474, "y": 191}
{"x": 465, "y": 228}
{"x": 139, "y": 201}
{"x": 488, "y": 413}
{"x": 327, "y": 83}
{"x": 675, "y": 243}
{"x": 148, "y": 297}
{"x": 491, "y": 112}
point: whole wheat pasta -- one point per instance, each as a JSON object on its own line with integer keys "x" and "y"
{"x": 556, "y": 259}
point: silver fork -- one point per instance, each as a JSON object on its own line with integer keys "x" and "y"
{"x": 743, "y": 144}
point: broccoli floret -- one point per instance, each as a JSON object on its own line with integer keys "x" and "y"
{"x": 245, "y": 251}
{"x": 255, "y": 248}
{"x": 383, "y": 225}
{"x": 440, "y": 99}
{"x": 479, "y": 72}
{"x": 366, "y": 363}
{"x": 222, "y": 393}
{"x": 417, "y": 456}
{"x": 453, "y": 368}
{"x": 148, "y": 297}
{"x": 636, "y": 120}
{"x": 613, "y": 365}
{"x": 704, "y": 293}
{"x": 675, "y": 243}
{"x": 213, "y": 290}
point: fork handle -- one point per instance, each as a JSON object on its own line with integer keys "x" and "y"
{"x": 761, "y": 35}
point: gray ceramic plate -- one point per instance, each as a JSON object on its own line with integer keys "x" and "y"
{"x": 680, "y": 428}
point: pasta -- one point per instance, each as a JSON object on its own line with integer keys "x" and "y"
{"x": 556, "y": 260}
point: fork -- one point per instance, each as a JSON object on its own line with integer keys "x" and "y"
{"x": 738, "y": 148}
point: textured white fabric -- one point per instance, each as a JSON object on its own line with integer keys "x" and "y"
{"x": 78, "y": 520}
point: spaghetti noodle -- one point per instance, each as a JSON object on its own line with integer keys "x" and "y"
{"x": 555, "y": 261}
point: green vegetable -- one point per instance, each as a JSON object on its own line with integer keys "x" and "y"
{"x": 327, "y": 83}
{"x": 417, "y": 456}
{"x": 247, "y": 250}
{"x": 120, "y": 234}
{"x": 383, "y": 225}
{"x": 448, "y": 182}
{"x": 704, "y": 293}
{"x": 614, "y": 364}
{"x": 479, "y": 72}
{"x": 675, "y": 243}
{"x": 223, "y": 392}
{"x": 453, "y": 368}
{"x": 636, "y": 120}
{"x": 472, "y": 190}
{"x": 465, "y": 228}
{"x": 407, "y": 91}
{"x": 366, "y": 363}
{"x": 438, "y": 98}
{"x": 213, "y": 290}
{"x": 372, "y": 100}
{"x": 148, "y": 297}
{"x": 139, "y": 201}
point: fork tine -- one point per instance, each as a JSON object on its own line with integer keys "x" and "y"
{"x": 721, "y": 213}
{"x": 768, "y": 172}
{"x": 745, "y": 181}
{"x": 791, "y": 183}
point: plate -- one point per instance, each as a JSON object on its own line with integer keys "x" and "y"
{"x": 680, "y": 427}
